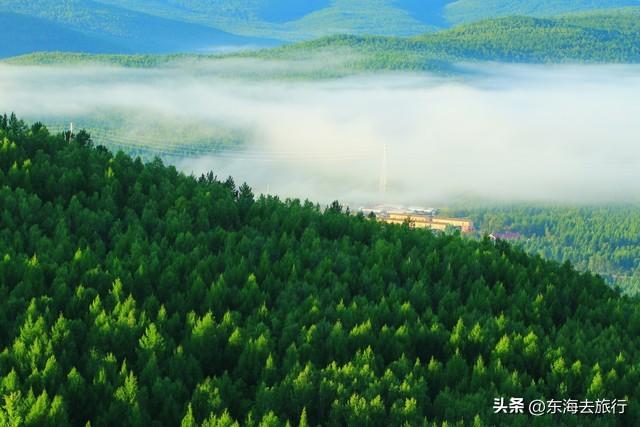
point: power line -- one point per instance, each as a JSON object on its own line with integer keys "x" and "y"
{"x": 160, "y": 147}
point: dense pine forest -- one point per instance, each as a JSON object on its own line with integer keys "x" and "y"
{"x": 134, "y": 295}
{"x": 604, "y": 239}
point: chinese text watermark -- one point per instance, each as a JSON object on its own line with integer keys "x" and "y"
{"x": 538, "y": 407}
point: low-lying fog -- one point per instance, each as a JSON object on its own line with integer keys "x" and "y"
{"x": 495, "y": 132}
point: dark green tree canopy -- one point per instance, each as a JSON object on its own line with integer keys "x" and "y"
{"x": 132, "y": 294}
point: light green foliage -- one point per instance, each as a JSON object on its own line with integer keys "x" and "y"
{"x": 288, "y": 20}
{"x": 588, "y": 37}
{"x": 258, "y": 18}
{"x": 473, "y": 10}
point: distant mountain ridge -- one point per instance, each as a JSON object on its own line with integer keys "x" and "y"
{"x": 95, "y": 27}
{"x": 23, "y": 34}
{"x": 165, "y": 26}
{"x": 464, "y": 11}
{"x": 610, "y": 37}
{"x": 280, "y": 17}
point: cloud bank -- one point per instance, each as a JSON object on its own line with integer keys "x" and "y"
{"x": 496, "y": 132}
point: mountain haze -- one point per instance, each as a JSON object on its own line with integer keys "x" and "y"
{"x": 24, "y": 34}
{"x": 96, "y": 27}
{"x": 162, "y": 26}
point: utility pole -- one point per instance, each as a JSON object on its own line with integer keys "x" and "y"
{"x": 68, "y": 135}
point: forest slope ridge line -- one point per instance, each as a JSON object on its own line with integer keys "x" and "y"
{"x": 132, "y": 294}
{"x": 581, "y": 38}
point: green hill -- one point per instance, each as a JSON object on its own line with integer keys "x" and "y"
{"x": 588, "y": 37}
{"x": 24, "y": 34}
{"x": 462, "y": 11}
{"x": 131, "y": 294}
{"x": 138, "y": 26}
{"x": 274, "y": 19}
{"x": 624, "y": 19}
{"x": 525, "y": 39}
{"x": 296, "y": 20}
{"x": 581, "y": 38}
{"x": 103, "y": 28}
{"x": 600, "y": 239}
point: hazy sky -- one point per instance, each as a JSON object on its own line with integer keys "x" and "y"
{"x": 500, "y": 132}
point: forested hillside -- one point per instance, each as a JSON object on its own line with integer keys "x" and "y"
{"x": 151, "y": 26}
{"x": 601, "y": 239}
{"x": 625, "y": 19}
{"x": 24, "y": 34}
{"x": 131, "y": 294}
{"x": 287, "y": 20}
{"x": 582, "y": 38}
{"x": 294, "y": 19}
{"x": 462, "y": 11}
{"x": 524, "y": 39}
{"x": 44, "y": 25}
{"x": 576, "y": 38}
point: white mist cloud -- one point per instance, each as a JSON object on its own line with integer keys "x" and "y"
{"x": 498, "y": 132}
